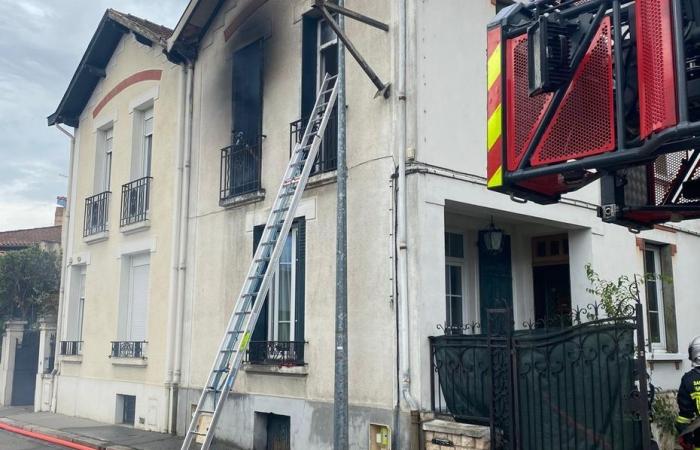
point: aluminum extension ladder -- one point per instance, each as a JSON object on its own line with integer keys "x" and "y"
{"x": 245, "y": 314}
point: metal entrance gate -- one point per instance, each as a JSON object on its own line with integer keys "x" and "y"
{"x": 26, "y": 366}
{"x": 550, "y": 386}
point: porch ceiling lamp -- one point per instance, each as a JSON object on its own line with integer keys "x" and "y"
{"x": 493, "y": 239}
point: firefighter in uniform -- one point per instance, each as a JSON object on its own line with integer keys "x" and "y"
{"x": 689, "y": 398}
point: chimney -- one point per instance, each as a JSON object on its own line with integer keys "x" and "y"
{"x": 60, "y": 207}
{"x": 58, "y": 216}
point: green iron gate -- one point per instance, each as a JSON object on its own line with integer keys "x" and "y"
{"x": 549, "y": 386}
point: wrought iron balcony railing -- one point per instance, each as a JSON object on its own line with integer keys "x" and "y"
{"x": 240, "y": 169}
{"x": 128, "y": 349}
{"x": 71, "y": 348}
{"x": 326, "y": 161}
{"x": 96, "y": 214}
{"x": 135, "y": 201}
{"x": 276, "y": 353}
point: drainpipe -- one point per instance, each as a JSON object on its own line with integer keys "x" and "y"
{"x": 402, "y": 245}
{"x": 175, "y": 255}
{"x": 184, "y": 222}
{"x": 64, "y": 260}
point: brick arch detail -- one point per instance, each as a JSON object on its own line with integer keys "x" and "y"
{"x": 144, "y": 75}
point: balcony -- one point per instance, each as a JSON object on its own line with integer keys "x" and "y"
{"x": 128, "y": 349}
{"x": 135, "y": 201}
{"x": 240, "y": 173}
{"x": 71, "y": 348}
{"x": 326, "y": 160}
{"x": 276, "y": 353}
{"x": 96, "y": 214}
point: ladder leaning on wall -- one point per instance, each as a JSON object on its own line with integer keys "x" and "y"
{"x": 247, "y": 308}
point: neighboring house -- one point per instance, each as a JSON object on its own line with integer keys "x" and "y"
{"x": 124, "y": 102}
{"x": 250, "y": 70}
{"x": 47, "y": 238}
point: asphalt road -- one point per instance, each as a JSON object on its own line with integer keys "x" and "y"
{"x": 11, "y": 441}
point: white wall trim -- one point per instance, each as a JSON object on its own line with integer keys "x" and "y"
{"x": 306, "y": 209}
{"x": 136, "y": 246}
{"x": 144, "y": 99}
{"x": 79, "y": 259}
{"x": 105, "y": 120}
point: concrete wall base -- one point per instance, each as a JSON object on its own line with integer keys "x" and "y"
{"x": 311, "y": 422}
{"x": 441, "y": 434}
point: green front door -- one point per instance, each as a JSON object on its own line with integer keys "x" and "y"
{"x": 495, "y": 279}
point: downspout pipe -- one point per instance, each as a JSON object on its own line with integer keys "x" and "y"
{"x": 184, "y": 228}
{"x": 64, "y": 257}
{"x": 175, "y": 255}
{"x": 401, "y": 225}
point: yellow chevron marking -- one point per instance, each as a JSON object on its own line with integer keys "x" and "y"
{"x": 496, "y": 179}
{"x": 494, "y": 128}
{"x": 494, "y": 66}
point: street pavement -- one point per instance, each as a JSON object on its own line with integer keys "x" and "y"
{"x": 11, "y": 441}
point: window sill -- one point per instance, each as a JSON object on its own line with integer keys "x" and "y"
{"x": 244, "y": 199}
{"x": 97, "y": 237}
{"x": 322, "y": 179}
{"x": 296, "y": 371}
{"x": 131, "y": 362}
{"x": 136, "y": 227}
{"x": 661, "y": 357}
{"x": 71, "y": 359}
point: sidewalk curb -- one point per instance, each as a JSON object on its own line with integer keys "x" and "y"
{"x": 49, "y": 435}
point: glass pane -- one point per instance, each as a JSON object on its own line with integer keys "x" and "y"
{"x": 284, "y": 295}
{"x": 283, "y": 332}
{"x": 654, "y": 333}
{"x": 327, "y": 33}
{"x": 649, "y": 266}
{"x": 456, "y": 307}
{"x": 652, "y": 301}
{"x": 541, "y": 249}
{"x": 455, "y": 280}
{"x": 454, "y": 245}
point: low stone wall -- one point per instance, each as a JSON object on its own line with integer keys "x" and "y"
{"x": 445, "y": 435}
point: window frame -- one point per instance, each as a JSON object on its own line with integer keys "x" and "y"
{"x": 148, "y": 122}
{"x": 453, "y": 261}
{"x": 658, "y": 274}
{"x": 82, "y": 287}
{"x": 273, "y": 298}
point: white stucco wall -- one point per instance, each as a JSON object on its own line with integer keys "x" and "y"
{"x": 88, "y": 387}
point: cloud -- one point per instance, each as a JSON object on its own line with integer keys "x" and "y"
{"x": 42, "y": 45}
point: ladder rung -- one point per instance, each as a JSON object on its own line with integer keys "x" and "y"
{"x": 326, "y": 91}
{"x": 255, "y": 277}
{"x": 221, "y": 370}
{"x": 257, "y": 261}
{"x": 213, "y": 389}
{"x": 228, "y": 350}
{"x": 240, "y": 313}
{"x": 297, "y": 164}
{"x": 275, "y": 211}
{"x": 286, "y": 194}
{"x": 274, "y": 227}
{"x": 254, "y": 294}
{"x": 267, "y": 243}
{"x": 204, "y": 411}
{"x": 199, "y": 433}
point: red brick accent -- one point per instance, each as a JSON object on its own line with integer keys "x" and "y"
{"x": 674, "y": 249}
{"x": 145, "y": 75}
{"x": 640, "y": 243}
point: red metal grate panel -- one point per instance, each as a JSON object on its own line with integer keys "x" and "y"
{"x": 523, "y": 112}
{"x": 584, "y": 122}
{"x": 657, "y": 84}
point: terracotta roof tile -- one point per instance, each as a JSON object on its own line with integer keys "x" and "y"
{"x": 31, "y": 236}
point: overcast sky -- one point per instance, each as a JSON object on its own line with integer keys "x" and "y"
{"x": 41, "y": 45}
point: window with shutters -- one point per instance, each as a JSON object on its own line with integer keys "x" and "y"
{"x": 133, "y": 311}
{"x": 278, "y": 337}
{"x": 75, "y": 314}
